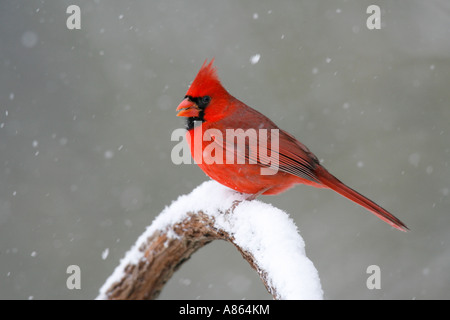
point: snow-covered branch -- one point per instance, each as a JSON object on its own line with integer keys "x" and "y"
{"x": 265, "y": 236}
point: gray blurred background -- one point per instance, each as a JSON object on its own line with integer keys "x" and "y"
{"x": 86, "y": 118}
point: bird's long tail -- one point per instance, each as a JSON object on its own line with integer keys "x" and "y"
{"x": 333, "y": 183}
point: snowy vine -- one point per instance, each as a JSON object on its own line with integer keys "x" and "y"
{"x": 265, "y": 236}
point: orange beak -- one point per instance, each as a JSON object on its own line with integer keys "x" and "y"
{"x": 187, "y": 108}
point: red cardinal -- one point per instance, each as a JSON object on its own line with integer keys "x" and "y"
{"x": 212, "y": 112}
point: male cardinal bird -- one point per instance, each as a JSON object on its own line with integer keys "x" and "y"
{"x": 212, "y": 113}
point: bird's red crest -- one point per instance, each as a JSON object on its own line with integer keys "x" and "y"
{"x": 206, "y": 82}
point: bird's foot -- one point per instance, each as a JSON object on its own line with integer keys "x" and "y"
{"x": 248, "y": 197}
{"x": 251, "y": 197}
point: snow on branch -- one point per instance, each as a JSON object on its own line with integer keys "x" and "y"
{"x": 265, "y": 236}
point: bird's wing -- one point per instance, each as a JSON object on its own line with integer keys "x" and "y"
{"x": 267, "y": 146}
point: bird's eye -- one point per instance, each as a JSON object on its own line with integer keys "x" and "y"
{"x": 206, "y": 100}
